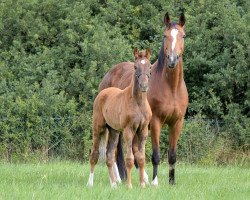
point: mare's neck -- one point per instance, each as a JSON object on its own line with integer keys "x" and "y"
{"x": 173, "y": 76}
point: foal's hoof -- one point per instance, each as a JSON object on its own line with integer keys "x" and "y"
{"x": 114, "y": 185}
{"x": 89, "y": 185}
{"x": 143, "y": 185}
{"x": 146, "y": 179}
{"x": 130, "y": 186}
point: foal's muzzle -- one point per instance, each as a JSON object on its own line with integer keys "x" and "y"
{"x": 144, "y": 87}
{"x": 143, "y": 79}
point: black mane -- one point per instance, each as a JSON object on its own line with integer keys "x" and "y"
{"x": 161, "y": 58}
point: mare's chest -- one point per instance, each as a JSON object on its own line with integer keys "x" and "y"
{"x": 168, "y": 106}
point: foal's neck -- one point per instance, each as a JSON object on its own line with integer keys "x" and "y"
{"x": 137, "y": 95}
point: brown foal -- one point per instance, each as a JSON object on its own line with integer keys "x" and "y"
{"x": 125, "y": 110}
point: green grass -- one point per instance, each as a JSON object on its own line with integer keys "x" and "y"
{"x": 67, "y": 180}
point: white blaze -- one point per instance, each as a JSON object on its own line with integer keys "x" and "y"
{"x": 143, "y": 62}
{"x": 174, "y": 33}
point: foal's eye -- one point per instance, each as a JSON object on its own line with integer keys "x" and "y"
{"x": 184, "y": 36}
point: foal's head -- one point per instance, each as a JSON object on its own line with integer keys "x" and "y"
{"x": 142, "y": 68}
{"x": 173, "y": 40}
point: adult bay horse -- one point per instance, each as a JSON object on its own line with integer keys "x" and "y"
{"x": 125, "y": 110}
{"x": 167, "y": 94}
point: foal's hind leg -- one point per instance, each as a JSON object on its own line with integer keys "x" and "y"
{"x": 98, "y": 129}
{"x": 110, "y": 154}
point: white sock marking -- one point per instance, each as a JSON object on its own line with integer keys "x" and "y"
{"x": 91, "y": 180}
{"x": 143, "y": 62}
{"x": 116, "y": 172}
{"x": 155, "y": 181}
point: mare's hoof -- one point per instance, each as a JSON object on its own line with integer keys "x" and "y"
{"x": 171, "y": 182}
{"x": 155, "y": 182}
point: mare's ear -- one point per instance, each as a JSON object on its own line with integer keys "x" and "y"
{"x": 182, "y": 20}
{"x": 136, "y": 53}
{"x": 148, "y": 53}
{"x": 167, "y": 20}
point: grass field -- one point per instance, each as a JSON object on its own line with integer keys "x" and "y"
{"x": 67, "y": 180}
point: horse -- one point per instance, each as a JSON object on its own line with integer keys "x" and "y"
{"x": 167, "y": 93}
{"x": 124, "y": 110}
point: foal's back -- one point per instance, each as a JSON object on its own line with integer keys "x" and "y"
{"x": 111, "y": 105}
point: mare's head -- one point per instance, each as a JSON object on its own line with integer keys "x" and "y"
{"x": 173, "y": 40}
{"x": 142, "y": 68}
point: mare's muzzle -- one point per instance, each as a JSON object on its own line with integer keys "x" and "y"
{"x": 172, "y": 60}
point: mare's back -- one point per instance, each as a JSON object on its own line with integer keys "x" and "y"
{"x": 118, "y": 76}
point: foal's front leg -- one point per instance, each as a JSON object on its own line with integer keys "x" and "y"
{"x": 128, "y": 136}
{"x": 140, "y": 154}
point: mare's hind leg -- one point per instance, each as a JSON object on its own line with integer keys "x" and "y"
{"x": 110, "y": 154}
{"x": 98, "y": 130}
{"x": 174, "y": 134}
{"x": 140, "y": 154}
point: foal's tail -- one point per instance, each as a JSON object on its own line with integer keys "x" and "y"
{"x": 103, "y": 147}
{"x": 120, "y": 159}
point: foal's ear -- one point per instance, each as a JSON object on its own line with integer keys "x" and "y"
{"x": 167, "y": 20}
{"x": 136, "y": 53}
{"x": 182, "y": 20}
{"x": 148, "y": 53}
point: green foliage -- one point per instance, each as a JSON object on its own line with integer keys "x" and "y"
{"x": 55, "y": 53}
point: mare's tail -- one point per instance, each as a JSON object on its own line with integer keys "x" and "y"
{"x": 120, "y": 160}
{"x": 103, "y": 147}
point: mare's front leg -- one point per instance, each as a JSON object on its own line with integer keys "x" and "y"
{"x": 110, "y": 154}
{"x": 140, "y": 154}
{"x": 174, "y": 134}
{"x": 155, "y": 129}
{"x": 128, "y": 137}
